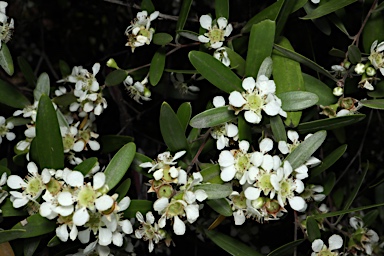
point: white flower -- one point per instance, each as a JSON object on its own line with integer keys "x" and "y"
{"x": 360, "y": 68}
{"x": 223, "y": 134}
{"x": 319, "y": 248}
{"x": 377, "y": 56}
{"x": 181, "y": 85}
{"x": 149, "y": 230}
{"x": 5, "y": 128}
{"x": 163, "y": 159}
{"x": 315, "y": 1}
{"x": 364, "y": 239}
{"x": 216, "y": 31}
{"x": 259, "y": 95}
{"x": 222, "y": 55}
{"x": 29, "y": 111}
{"x": 6, "y": 29}
{"x": 138, "y": 90}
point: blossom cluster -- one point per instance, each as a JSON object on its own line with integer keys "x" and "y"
{"x": 6, "y": 27}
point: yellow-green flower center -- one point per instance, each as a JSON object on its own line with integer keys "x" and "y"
{"x": 34, "y": 186}
{"x": 242, "y": 163}
{"x": 255, "y": 102}
{"x": 175, "y": 209}
{"x": 216, "y": 35}
{"x": 264, "y": 183}
{"x": 239, "y": 201}
{"x": 86, "y": 197}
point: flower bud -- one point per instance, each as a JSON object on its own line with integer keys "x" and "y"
{"x": 347, "y": 64}
{"x": 360, "y": 68}
{"x": 338, "y": 91}
{"x": 370, "y": 71}
{"x": 112, "y": 64}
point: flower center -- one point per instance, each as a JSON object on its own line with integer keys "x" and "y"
{"x": 68, "y": 141}
{"x": 175, "y": 209}
{"x": 3, "y": 130}
{"x": 242, "y": 163}
{"x": 34, "y": 186}
{"x": 239, "y": 201}
{"x": 86, "y": 196}
{"x": 254, "y": 101}
{"x": 264, "y": 183}
{"x": 94, "y": 222}
{"x": 53, "y": 186}
{"x": 216, "y": 35}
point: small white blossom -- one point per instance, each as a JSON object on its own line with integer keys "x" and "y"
{"x": 149, "y": 230}
{"x": 319, "y": 248}
{"x": 222, "y": 55}
{"x": 377, "y": 56}
{"x": 138, "y": 90}
{"x": 6, "y": 28}
{"x": 5, "y": 128}
{"x": 216, "y": 31}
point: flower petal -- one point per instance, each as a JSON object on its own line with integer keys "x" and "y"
{"x": 236, "y": 99}
{"x": 206, "y": 22}
{"x": 178, "y": 226}
{"x": 335, "y": 242}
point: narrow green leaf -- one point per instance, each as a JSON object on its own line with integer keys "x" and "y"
{"x": 329, "y": 160}
{"x": 172, "y": 130}
{"x": 215, "y": 191}
{"x": 65, "y": 100}
{"x": 18, "y": 121}
{"x": 65, "y": 70}
{"x": 297, "y": 100}
{"x": 327, "y": 8}
{"x": 7, "y": 209}
{"x": 323, "y": 92}
{"x": 183, "y": 15}
{"x": 211, "y": 174}
{"x": 184, "y": 113}
{"x": 139, "y": 159}
{"x": 11, "y": 234}
{"x": 119, "y": 165}
{"x": 237, "y": 62}
{"x": 370, "y": 217}
{"x": 336, "y": 53}
{"x": 157, "y": 66}
{"x": 373, "y": 30}
{"x": 212, "y": 117}
{"x": 260, "y": 46}
{"x": 148, "y": 6}
{"x": 142, "y": 206}
{"x": 245, "y": 129}
{"x": 49, "y": 143}
{"x": 337, "y": 213}
{"x": 278, "y": 128}
{"x": 116, "y": 77}
{"x": 27, "y": 70}
{"x": 306, "y": 149}
{"x": 162, "y": 39}
{"x": 329, "y": 183}
{"x": 354, "y": 54}
{"x": 215, "y": 72}
{"x": 321, "y": 23}
{"x": 86, "y": 166}
{"x": 12, "y": 97}
{"x": 354, "y": 192}
{"x": 329, "y": 123}
{"x": 286, "y": 249}
{"x": 313, "y": 229}
{"x": 6, "y": 61}
{"x": 54, "y": 241}
{"x": 222, "y": 8}
{"x": 42, "y": 86}
{"x": 112, "y": 143}
{"x": 378, "y": 92}
{"x": 189, "y": 34}
{"x": 122, "y": 190}
{"x": 220, "y": 206}
{"x": 36, "y": 226}
{"x": 230, "y": 245}
{"x": 375, "y": 104}
{"x": 30, "y": 245}
{"x": 266, "y": 67}
{"x": 286, "y": 10}
{"x": 338, "y": 23}
{"x": 305, "y": 61}
{"x": 61, "y": 119}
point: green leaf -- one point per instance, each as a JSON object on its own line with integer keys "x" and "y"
{"x": 162, "y": 39}
{"x": 305, "y": 61}
{"x": 112, "y": 143}
{"x": 237, "y": 62}
{"x": 189, "y": 34}
{"x": 116, "y": 77}
{"x": 220, "y": 206}
{"x": 354, "y": 192}
{"x": 215, "y": 191}
{"x": 49, "y": 143}
{"x": 305, "y": 150}
{"x": 27, "y": 70}
{"x": 329, "y": 160}
{"x": 354, "y": 54}
{"x": 157, "y": 66}
{"x": 337, "y": 213}
{"x": 336, "y": 53}
{"x": 375, "y": 104}
{"x": 184, "y": 113}
{"x": 329, "y": 123}
{"x": 53, "y": 242}
{"x": 36, "y": 226}
{"x": 260, "y": 46}
{"x": 61, "y": 119}
{"x": 119, "y": 165}
{"x": 211, "y": 174}
{"x": 266, "y": 67}
{"x": 139, "y": 159}
{"x": 245, "y": 129}
{"x": 322, "y": 23}
{"x": 329, "y": 183}
{"x": 148, "y": 6}
{"x": 65, "y": 100}
{"x": 86, "y": 166}
{"x": 222, "y": 8}
{"x": 373, "y": 31}
{"x": 212, "y": 117}
{"x": 122, "y": 190}
{"x": 338, "y": 23}
{"x": 7, "y": 209}
{"x": 230, "y": 245}
{"x": 215, "y": 72}
{"x": 370, "y": 217}
{"x": 183, "y": 15}
{"x": 297, "y": 100}
{"x": 142, "y": 206}
{"x": 6, "y": 61}
{"x": 323, "y": 92}
{"x": 278, "y": 128}
{"x": 42, "y": 86}
{"x": 65, "y": 70}
{"x": 378, "y": 92}
{"x": 327, "y": 8}
{"x": 18, "y": 121}
{"x": 12, "y": 97}
{"x": 172, "y": 130}
{"x": 286, "y": 249}
{"x": 286, "y": 10}
{"x": 312, "y": 229}
{"x": 30, "y": 245}
{"x": 8, "y": 235}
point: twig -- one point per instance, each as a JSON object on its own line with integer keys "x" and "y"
{"x": 357, "y": 36}
{"x": 195, "y": 158}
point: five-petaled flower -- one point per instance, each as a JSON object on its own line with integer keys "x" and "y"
{"x": 216, "y": 31}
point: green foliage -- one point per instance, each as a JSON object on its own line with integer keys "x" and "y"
{"x": 6, "y": 61}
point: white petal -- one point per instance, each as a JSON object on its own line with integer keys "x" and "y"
{"x": 267, "y": 163}
{"x": 252, "y": 117}
{"x": 239, "y": 217}
{"x": 105, "y": 236}
{"x": 64, "y": 210}
{"x": 249, "y": 84}
{"x": 335, "y": 242}
{"x": 158, "y": 175}
{"x": 317, "y": 245}
{"x": 257, "y": 158}
{"x": 203, "y": 39}
{"x": 124, "y": 203}
{"x": 126, "y": 226}
{"x": 79, "y": 146}
{"x": 84, "y": 236}
{"x": 178, "y": 155}
{"x": 201, "y": 195}
{"x": 244, "y": 146}
{"x": 221, "y": 142}
{"x": 297, "y": 203}
{"x": 15, "y": 182}
{"x": 80, "y": 217}
{"x": 94, "y": 145}
{"x": 19, "y": 202}
{"x": 173, "y": 172}
{"x": 222, "y": 22}
{"x": 62, "y": 233}
{"x": 117, "y": 239}
{"x": 192, "y": 212}
{"x": 182, "y": 178}
{"x": 98, "y": 180}
{"x": 355, "y": 223}
{"x": 178, "y": 226}
{"x": 283, "y": 147}
{"x": 272, "y": 108}
{"x": 231, "y": 130}
{"x": 236, "y": 99}
{"x": 252, "y": 193}
{"x": 299, "y": 186}
{"x": 227, "y": 173}
{"x": 45, "y": 176}
{"x": 160, "y": 204}
{"x": 104, "y": 202}
{"x": 73, "y": 233}
{"x": 226, "y": 159}
{"x": 46, "y": 211}
{"x": 65, "y": 198}
{"x": 228, "y": 30}
{"x": 206, "y": 21}
{"x": 95, "y": 68}
{"x": 293, "y": 135}
{"x": 32, "y": 168}
{"x": 218, "y": 101}
{"x": 10, "y": 136}
{"x": 75, "y": 179}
